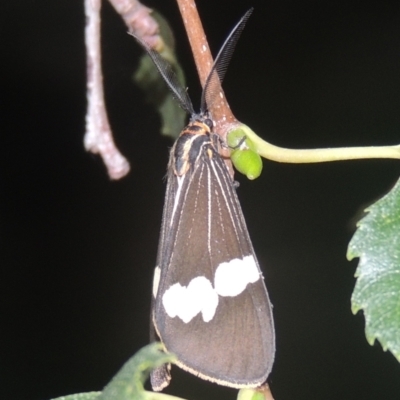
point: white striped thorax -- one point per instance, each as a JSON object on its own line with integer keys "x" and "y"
{"x": 210, "y": 305}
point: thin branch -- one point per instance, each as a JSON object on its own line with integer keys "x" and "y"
{"x": 139, "y": 20}
{"x": 98, "y": 136}
{"x": 281, "y": 154}
{"x": 220, "y": 110}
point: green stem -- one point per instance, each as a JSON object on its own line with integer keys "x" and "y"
{"x": 281, "y": 154}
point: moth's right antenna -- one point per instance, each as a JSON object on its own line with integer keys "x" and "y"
{"x": 218, "y": 70}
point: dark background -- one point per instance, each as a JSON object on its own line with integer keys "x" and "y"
{"x": 78, "y": 251}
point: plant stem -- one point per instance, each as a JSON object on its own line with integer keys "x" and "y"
{"x": 98, "y": 137}
{"x": 220, "y": 110}
{"x": 281, "y": 154}
{"x": 139, "y": 20}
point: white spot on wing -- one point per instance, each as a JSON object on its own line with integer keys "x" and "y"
{"x": 156, "y": 280}
{"x": 186, "y": 302}
{"x": 231, "y": 278}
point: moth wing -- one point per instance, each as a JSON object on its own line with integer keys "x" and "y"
{"x": 229, "y": 341}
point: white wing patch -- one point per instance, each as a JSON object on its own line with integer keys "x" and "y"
{"x": 156, "y": 280}
{"x": 186, "y": 302}
{"x": 231, "y": 279}
{"x": 177, "y": 196}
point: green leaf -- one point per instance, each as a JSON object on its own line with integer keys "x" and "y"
{"x": 129, "y": 381}
{"x": 377, "y": 290}
{"x": 80, "y": 396}
{"x": 147, "y": 77}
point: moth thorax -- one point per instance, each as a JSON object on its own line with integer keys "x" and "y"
{"x": 189, "y": 147}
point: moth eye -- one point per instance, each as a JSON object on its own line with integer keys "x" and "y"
{"x": 209, "y": 122}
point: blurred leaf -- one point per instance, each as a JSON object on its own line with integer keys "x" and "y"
{"x": 147, "y": 77}
{"x": 250, "y": 394}
{"x": 129, "y": 381}
{"x": 377, "y": 290}
{"x": 80, "y": 396}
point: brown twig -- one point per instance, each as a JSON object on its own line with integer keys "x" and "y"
{"x": 98, "y": 137}
{"x": 220, "y": 110}
{"x": 139, "y": 20}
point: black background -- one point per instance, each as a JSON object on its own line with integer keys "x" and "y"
{"x": 78, "y": 251}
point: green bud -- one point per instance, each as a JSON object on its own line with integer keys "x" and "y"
{"x": 247, "y": 162}
{"x": 244, "y": 155}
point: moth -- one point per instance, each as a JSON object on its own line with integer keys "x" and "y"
{"x": 210, "y": 306}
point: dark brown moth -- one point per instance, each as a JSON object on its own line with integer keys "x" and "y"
{"x": 210, "y": 305}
